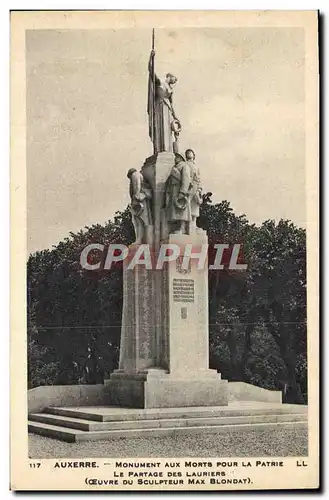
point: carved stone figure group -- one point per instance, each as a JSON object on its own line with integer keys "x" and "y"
{"x": 183, "y": 194}
{"x": 181, "y": 201}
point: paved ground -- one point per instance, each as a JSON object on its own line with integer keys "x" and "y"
{"x": 255, "y": 443}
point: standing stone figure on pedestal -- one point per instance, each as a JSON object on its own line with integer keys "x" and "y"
{"x": 164, "y": 127}
{"x": 177, "y": 198}
{"x": 164, "y": 349}
{"x": 183, "y": 195}
{"x": 141, "y": 209}
{"x": 196, "y": 189}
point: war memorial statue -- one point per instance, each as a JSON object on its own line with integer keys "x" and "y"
{"x": 164, "y": 359}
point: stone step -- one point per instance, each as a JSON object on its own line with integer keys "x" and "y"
{"x": 71, "y": 435}
{"x": 54, "y": 431}
{"x": 87, "y": 425}
{"x": 110, "y": 414}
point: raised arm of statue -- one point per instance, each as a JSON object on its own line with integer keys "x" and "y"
{"x": 151, "y": 61}
{"x": 151, "y": 68}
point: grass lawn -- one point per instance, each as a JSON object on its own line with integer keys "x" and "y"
{"x": 251, "y": 443}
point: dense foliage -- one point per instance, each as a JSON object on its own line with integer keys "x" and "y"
{"x": 257, "y": 318}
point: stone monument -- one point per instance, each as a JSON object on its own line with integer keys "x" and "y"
{"x": 164, "y": 359}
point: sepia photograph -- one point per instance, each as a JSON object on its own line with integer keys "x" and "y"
{"x": 168, "y": 216}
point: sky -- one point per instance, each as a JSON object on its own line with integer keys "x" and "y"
{"x": 239, "y": 97}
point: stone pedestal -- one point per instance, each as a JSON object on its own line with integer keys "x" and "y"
{"x": 138, "y": 341}
{"x": 158, "y": 389}
{"x": 164, "y": 357}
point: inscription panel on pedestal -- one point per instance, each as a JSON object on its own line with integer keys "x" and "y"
{"x": 183, "y": 290}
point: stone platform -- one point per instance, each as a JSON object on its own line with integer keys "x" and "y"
{"x": 75, "y": 424}
{"x": 157, "y": 389}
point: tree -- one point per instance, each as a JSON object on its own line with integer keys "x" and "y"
{"x": 278, "y": 285}
{"x": 268, "y": 301}
{"x": 74, "y": 315}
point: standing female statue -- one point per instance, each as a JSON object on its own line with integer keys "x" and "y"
{"x": 164, "y": 126}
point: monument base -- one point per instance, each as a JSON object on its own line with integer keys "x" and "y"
{"x": 156, "y": 389}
